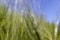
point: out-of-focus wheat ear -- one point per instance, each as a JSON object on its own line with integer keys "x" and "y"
{"x": 9, "y": 10}
{"x": 22, "y": 13}
{"x": 15, "y": 4}
{"x": 56, "y": 29}
{"x": 15, "y": 8}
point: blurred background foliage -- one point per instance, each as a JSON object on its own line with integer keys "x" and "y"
{"x": 21, "y": 26}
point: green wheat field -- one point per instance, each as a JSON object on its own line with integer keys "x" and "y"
{"x": 21, "y": 26}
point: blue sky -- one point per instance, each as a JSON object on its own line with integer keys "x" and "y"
{"x": 50, "y": 8}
